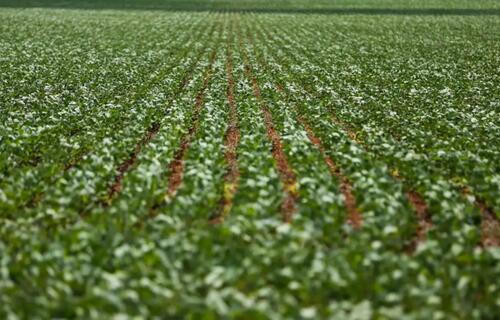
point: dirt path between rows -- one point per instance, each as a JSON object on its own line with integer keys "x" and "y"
{"x": 232, "y": 139}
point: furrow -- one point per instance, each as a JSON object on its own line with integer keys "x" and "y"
{"x": 232, "y": 139}
{"x": 90, "y": 117}
{"x": 116, "y": 187}
{"x": 36, "y": 198}
{"x": 490, "y": 227}
{"x": 289, "y": 204}
{"x": 126, "y": 165}
{"x": 490, "y": 224}
{"x": 424, "y": 220}
{"x": 354, "y": 217}
{"x": 318, "y": 192}
{"x": 176, "y": 166}
{"x": 414, "y": 198}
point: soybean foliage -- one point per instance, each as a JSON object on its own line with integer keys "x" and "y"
{"x": 250, "y": 160}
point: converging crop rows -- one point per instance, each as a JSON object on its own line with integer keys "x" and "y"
{"x": 249, "y": 165}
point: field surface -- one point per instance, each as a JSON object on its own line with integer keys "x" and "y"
{"x": 249, "y": 159}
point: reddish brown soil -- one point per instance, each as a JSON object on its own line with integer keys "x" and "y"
{"x": 289, "y": 204}
{"x": 416, "y": 200}
{"x": 231, "y": 142}
{"x": 354, "y": 217}
{"x": 176, "y": 166}
{"x": 125, "y": 166}
{"x": 490, "y": 226}
{"x": 424, "y": 221}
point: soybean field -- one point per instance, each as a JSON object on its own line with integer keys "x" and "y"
{"x": 164, "y": 159}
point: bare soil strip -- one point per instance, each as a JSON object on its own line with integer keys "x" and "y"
{"x": 354, "y": 217}
{"x": 424, "y": 220}
{"x": 231, "y": 143}
{"x": 176, "y": 166}
{"x": 126, "y": 165}
{"x": 289, "y": 204}
{"x": 490, "y": 225}
{"x": 415, "y": 199}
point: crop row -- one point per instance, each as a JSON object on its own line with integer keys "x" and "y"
{"x": 248, "y": 166}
